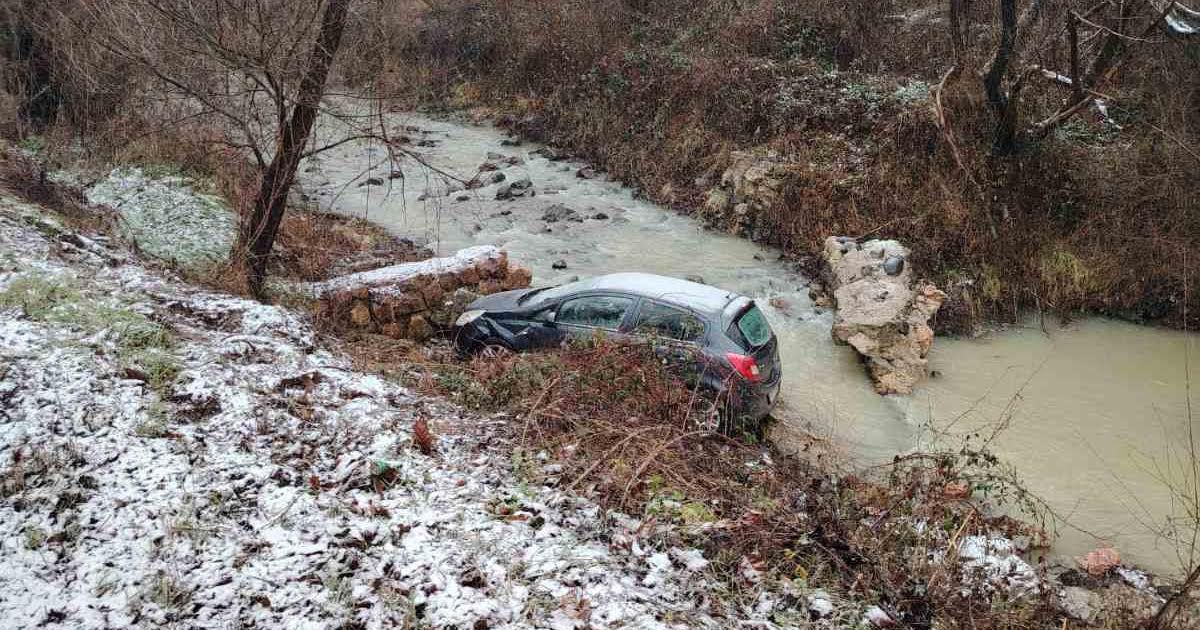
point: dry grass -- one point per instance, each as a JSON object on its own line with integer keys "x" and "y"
{"x": 632, "y": 434}
{"x": 29, "y": 179}
{"x": 314, "y": 245}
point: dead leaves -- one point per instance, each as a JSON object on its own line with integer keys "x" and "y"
{"x": 423, "y": 438}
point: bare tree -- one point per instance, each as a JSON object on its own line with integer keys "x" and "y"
{"x": 29, "y": 75}
{"x": 1098, "y": 36}
{"x": 256, "y": 234}
{"x": 254, "y": 69}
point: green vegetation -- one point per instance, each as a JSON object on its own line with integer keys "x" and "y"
{"x": 168, "y": 592}
{"x": 34, "y": 537}
{"x": 37, "y": 296}
{"x": 158, "y": 367}
{"x": 143, "y": 347}
{"x": 672, "y": 504}
{"x": 155, "y": 425}
{"x": 33, "y": 144}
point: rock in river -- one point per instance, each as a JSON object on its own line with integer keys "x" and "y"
{"x": 559, "y": 212}
{"x": 549, "y": 154}
{"x": 518, "y": 188}
{"x": 882, "y": 311}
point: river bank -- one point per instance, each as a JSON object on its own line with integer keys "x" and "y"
{"x": 251, "y": 435}
{"x": 1101, "y": 476}
{"x": 852, "y": 111}
{"x": 175, "y": 456}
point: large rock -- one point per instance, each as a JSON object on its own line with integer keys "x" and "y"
{"x": 1078, "y": 603}
{"x": 882, "y": 312}
{"x": 416, "y": 299}
{"x": 559, "y": 212}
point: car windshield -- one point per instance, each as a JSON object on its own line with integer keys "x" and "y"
{"x": 754, "y": 327}
{"x": 543, "y": 294}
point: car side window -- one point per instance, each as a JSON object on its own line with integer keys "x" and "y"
{"x": 599, "y": 311}
{"x": 671, "y": 323}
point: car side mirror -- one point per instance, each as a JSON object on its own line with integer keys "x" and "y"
{"x": 547, "y": 317}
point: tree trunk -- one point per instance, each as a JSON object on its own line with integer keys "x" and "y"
{"x": 1073, "y": 41}
{"x": 959, "y": 27}
{"x": 256, "y": 235}
{"x": 993, "y": 82}
{"x": 1114, "y": 45}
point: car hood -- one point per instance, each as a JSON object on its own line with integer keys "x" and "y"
{"x": 499, "y": 302}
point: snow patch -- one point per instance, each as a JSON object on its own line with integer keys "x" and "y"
{"x": 398, "y": 274}
{"x": 993, "y": 562}
{"x": 168, "y": 218}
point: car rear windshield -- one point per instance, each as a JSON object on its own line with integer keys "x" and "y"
{"x": 754, "y": 328}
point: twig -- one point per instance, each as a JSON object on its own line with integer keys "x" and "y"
{"x": 604, "y": 458}
{"x": 654, "y": 454}
{"x": 533, "y": 408}
{"x": 944, "y": 124}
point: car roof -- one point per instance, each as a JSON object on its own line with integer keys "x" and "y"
{"x": 693, "y": 295}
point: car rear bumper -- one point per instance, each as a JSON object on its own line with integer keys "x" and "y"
{"x": 757, "y": 400}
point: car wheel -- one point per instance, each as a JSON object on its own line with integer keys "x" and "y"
{"x": 493, "y": 348}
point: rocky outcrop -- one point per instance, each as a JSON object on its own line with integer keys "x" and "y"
{"x": 414, "y": 300}
{"x": 882, "y": 311}
{"x": 753, "y": 183}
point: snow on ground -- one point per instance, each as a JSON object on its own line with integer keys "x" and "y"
{"x": 170, "y": 456}
{"x": 167, "y": 217}
{"x": 397, "y": 274}
{"x": 993, "y": 562}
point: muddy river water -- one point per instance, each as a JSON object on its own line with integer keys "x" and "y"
{"x": 1094, "y": 412}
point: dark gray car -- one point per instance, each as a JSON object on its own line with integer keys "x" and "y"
{"x": 724, "y": 333}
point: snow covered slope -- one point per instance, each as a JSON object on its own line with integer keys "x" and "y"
{"x": 170, "y": 456}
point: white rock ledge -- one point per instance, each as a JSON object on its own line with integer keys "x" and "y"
{"x": 882, "y": 311}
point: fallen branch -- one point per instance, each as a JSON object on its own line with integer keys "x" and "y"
{"x": 944, "y": 125}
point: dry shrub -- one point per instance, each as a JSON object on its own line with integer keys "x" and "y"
{"x": 10, "y": 122}
{"x": 610, "y": 383}
{"x": 628, "y": 431}
{"x": 28, "y": 178}
{"x": 58, "y": 66}
{"x": 314, "y": 245}
{"x": 1095, "y": 217}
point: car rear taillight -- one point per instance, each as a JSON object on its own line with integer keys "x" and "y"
{"x": 746, "y": 366}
